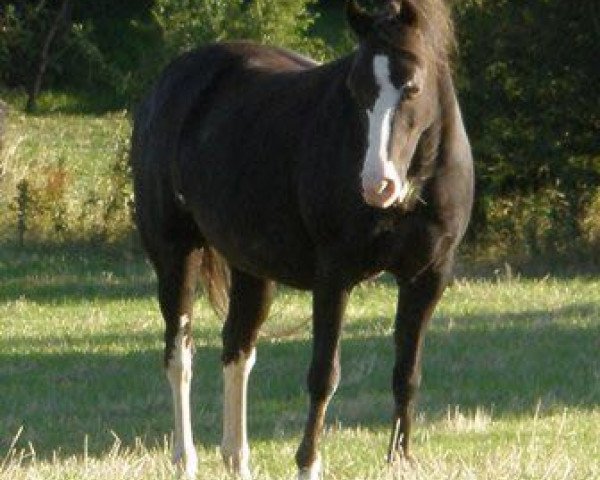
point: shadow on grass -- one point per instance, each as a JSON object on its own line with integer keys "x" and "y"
{"x": 506, "y": 368}
{"x": 46, "y": 274}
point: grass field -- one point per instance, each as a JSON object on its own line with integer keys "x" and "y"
{"x": 511, "y": 384}
{"x": 68, "y": 160}
{"x": 511, "y": 377}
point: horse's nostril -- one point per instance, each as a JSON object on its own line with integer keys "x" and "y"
{"x": 383, "y": 186}
{"x": 382, "y": 193}
{"x": 388, "y": 187}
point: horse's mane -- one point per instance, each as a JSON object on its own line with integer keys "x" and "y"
{"x": 434, "y": 22}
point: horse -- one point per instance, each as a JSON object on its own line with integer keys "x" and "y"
{"x": 254, "y": 165}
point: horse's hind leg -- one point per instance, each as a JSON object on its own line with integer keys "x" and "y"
{"x": 250, "y": 299}
{"x": 177, "y": 273}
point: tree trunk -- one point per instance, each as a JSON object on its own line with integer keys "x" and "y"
{"x": 36, "y": 84}
{"x": 3, "y": 115}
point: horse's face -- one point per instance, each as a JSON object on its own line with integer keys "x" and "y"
{"x": 392, "y": 85}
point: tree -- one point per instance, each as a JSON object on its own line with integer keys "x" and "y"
{"x": 527, "y": 80}
{"x": 189, "y": 23}
{"x": 31, "y": 32}
{"x": 58, "y": 23}
{"x": 529, "y": 72}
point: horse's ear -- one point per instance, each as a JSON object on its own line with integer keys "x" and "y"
{"x": 393, "y": 7}
{"x": 359, "y": 20}
{"x": 408, "y": 13}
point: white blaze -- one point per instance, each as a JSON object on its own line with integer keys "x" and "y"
{"x": 234, "y": 446}
{"x": 380, "y": 118}
{"x": 377, "y": 166}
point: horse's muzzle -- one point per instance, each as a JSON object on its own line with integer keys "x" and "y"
{"x": 385, "y": 192}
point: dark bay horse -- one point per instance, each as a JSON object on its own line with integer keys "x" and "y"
{"x": 254, "y": 165}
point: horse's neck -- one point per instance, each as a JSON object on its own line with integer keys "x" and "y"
{"x": 454, "y": 140}
{"x": 337, "y": 114}
{"x": 437, "y": 147}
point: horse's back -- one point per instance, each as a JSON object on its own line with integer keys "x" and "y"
{"x": 190, "y": 80}
{"x": 191, "y": 150}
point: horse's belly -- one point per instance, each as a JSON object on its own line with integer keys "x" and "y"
{"x": 264, "y": 241}
{"x": 282, "y": 262}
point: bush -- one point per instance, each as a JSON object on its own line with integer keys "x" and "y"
{"x": 188, "y": 24}
{"x": 528, "y": 95}
{"x": 3, "y": 113}
{"x": 66, "y": 179}
{"x": 524, "y": 226}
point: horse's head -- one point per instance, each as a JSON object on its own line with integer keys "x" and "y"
{"x": 394, "y": 82}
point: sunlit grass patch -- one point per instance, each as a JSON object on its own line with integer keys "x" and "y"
{"x": 59, "y": 176}
{"x": 464, "y": 422}
{"x": 511, "y": 378}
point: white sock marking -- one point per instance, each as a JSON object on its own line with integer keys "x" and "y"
{"x": 234, "y": 446}
{"x": 179, "y": 373}
{"x": 377, "y": 164}
{"x": 311, "y": 473}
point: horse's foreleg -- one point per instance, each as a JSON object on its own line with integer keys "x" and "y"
{"x": 416, "y": 302}
{"x": 249, "y": 306}
{"x": 329, "y": 302}
{"x": 177, "y": 279}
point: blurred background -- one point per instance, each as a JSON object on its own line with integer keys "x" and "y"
{"x": 527, "y": 74}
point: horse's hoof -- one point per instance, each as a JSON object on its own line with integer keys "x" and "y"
{"x": 401, "y": 461}
{"x": 188, "y": 463}
{"x": 237, "y": 465}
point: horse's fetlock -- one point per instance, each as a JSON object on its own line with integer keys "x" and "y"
{"x": 236, "y": 460}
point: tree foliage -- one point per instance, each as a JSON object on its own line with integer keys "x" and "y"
{"x": 527, "y": 75}
{"x": 121, "y": 46}
{"x": 99, "y": 46}
{"x": 186, "y": 24}
{"x": 528, "y": 72}
{"x": 23, "y": 25}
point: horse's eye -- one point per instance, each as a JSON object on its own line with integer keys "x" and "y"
{"x": 411, "y": 89}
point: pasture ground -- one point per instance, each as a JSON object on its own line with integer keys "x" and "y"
{"x": 511, "y": 384}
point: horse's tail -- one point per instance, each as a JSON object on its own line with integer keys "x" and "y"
{"x": 216, "y": 280}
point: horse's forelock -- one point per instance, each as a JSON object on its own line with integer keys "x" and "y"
{"x": 429, "y": 19}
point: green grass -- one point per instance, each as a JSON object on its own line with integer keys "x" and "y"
{"x": 84, "y": 143}
{"x": 68, "y": 161}
{"x": 511, "y": 376}
{"x": 511, "y": 383}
